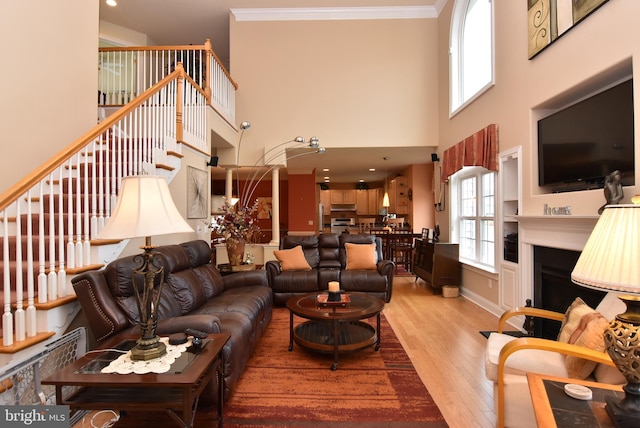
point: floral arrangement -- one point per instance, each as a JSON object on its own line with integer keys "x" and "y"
{"x": 237, "y": 221}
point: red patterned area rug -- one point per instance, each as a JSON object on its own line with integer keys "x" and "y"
{"x": 297, "y": 389}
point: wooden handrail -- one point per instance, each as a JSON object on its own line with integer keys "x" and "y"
{"x": 207, "y": 47}
{"x": 22, "y": 186}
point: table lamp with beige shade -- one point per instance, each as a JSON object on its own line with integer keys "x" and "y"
{"x": 610, "y": 261}
{"x": 145, "y": 208}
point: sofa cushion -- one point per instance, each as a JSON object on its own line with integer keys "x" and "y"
{"x": 360, "y": 256}
{"x": 523, "y": 361}
{"x": 608, "y": 374}
{"x": 582, "y": 326}
{"x": 309, "y": 245}
{"x": 292, "y": 259}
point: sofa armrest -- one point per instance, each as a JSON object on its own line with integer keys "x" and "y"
{"x": 385, "y": 267}
{"x": 245, "y": 278}
{"x": 273, "y": 268}
{"x": 543, "y": 345}
{"x": 201, "y": 322}
{"x": 104, "y": 315}
{"x": 528, "y": 311}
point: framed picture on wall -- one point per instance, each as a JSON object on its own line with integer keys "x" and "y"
{"x": 264, "y": 208}
{"x": 550, "y": 19}
{"x": 197, "y": 188}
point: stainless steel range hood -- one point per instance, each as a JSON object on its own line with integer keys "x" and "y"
{"x": 337, "y": 208}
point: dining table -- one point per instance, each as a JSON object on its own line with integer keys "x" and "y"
{"x": 389, "y": 235}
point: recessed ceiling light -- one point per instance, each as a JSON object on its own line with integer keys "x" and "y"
{"x": 112, "y": 3}
{"x": 325, "y": 169}
{"x": 361, "y": 180}
{"x": 372, "y": 169}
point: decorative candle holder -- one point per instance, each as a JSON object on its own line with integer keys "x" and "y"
{"x": 334, "y": 296}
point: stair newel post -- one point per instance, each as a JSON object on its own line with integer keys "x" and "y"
{"x": 52, "y": 279}
{"x": 206, "y": 80}
{"x": 7, "y": 319}
{"x": 42, "y": 276}
{"x": 31, "y": 309}
{"x": 179, "y": 103}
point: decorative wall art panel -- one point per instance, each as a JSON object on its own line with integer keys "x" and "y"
{"x": 550, "y": 19}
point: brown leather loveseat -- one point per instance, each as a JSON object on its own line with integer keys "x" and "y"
{"x": 195, "y": 295}
{"x": 327, "y": 257}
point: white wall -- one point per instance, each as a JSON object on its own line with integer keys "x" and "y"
{"x": 352, "y": 83}
{"x": 48, "y": 75}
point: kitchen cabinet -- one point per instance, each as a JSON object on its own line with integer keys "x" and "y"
{"x": 362, "y": 202}
{"x": 402, "y": 196}
{"x": 374, "y": 201}
{"x": 343, "y": 197}
{"x": 368, "y": 202}
{"x": 399, "y": 196}
{"x": 325, "y": 200}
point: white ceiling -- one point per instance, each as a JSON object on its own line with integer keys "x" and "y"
{"x": 184, "y": 22}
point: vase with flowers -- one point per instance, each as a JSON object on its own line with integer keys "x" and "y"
{"x": 238, "y": 225}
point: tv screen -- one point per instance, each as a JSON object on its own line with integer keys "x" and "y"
{"x": 581, "y": 144}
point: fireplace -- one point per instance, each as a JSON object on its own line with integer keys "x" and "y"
{"x": 565, "y": 237}
{"x": 553, "y": 288}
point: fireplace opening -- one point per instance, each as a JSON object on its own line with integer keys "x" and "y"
{"x": 553, "y": 288}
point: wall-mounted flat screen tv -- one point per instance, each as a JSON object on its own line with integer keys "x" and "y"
{"x": 580, "y": 145}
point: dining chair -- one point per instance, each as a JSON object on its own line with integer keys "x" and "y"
{"x": 366, "y": 223}
{"x": 396, "y": 222}
{"x": 401, "y": 247}
{"x": 383, "y": 233}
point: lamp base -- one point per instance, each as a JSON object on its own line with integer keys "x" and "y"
{"x": 622, "y": 415}
{"x": 148, "y": 349}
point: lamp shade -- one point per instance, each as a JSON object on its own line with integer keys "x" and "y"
{"x": 144, "y": 208}
{"x": 610, "y": 259}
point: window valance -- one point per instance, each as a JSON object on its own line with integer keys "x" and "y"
{"x": 480, "y": 149}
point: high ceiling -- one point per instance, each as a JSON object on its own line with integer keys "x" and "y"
{"x": 184, "y": 22}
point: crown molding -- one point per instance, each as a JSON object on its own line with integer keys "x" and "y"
{"x": 337, "y": 13}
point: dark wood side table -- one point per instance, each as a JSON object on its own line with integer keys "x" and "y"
{"x": 555, "y": 409}
{"x": 177, "y": 390}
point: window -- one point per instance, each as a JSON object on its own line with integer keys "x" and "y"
{"x": 471, "y": 51}
{"x": 473, "y": 216}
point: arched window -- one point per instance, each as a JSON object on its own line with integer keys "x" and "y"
{"x": 471, "y": 51}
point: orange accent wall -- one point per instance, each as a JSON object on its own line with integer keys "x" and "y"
{"x": 303, "y": 206}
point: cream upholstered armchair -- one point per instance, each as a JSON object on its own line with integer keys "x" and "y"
{"x": 578, "y": 353}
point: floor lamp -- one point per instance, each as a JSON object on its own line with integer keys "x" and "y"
{"x": 610, "y": 261}
{"x": 145, "y": 208}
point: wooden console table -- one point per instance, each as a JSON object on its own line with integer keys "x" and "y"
{"x": 436, "y": 263}
{"x": 176, "y": 392}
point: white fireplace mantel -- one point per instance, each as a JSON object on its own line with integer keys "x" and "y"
{"x": 565, "y": 232}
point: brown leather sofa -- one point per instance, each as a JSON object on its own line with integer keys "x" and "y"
{"x": 195, "y": 295}
{"x": 327, "y": 257}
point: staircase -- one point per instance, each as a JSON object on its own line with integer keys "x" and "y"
{"x": 49, "y": 219}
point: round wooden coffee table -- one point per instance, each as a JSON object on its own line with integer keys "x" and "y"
{"x": 334, "y": 327}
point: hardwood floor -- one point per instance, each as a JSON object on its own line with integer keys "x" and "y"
{"x": 441, "y": 336}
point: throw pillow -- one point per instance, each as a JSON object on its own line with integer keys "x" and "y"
{"x": 582, "y": 326}
{"x": 292, "y": 259}
{"x": 361, "y": 256}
